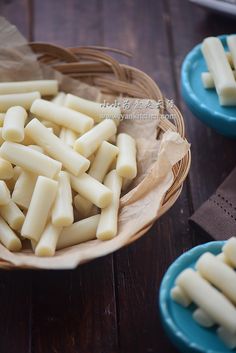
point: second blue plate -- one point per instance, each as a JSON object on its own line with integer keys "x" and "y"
{"x": 177, "y": 321}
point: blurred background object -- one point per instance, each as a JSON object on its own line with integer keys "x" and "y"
{"x": 227, "y": 7}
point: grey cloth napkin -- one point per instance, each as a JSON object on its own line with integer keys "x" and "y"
{"x": 217, "y": 216}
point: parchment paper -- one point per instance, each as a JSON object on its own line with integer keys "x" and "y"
{"x": 155, "y": 158}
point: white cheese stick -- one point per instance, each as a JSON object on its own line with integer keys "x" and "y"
{"x": 70, "y": 159}
{"x": 231, "y": 42}
{"x": 8, "y": 238}
{"x": 107, "y": 226}
{"x": 45, "y": 87}
{"x": 48, "y": 241}
{"x": 98, "y": 111}
{"x": 6, "y": 169}
{"x": 56, "y": 128}
{"x": 36, "y": 148}
{"x": 13, "y": 127}
{"x": 42, "y": 200}
{"x": 102, "y": 161}
{"x": 79, "y": 232}
{"x": 83, "y": 206}
{"x": 12, "y": 215}
{"x": 207, "y": 78}
{"x": 202, "y": 318}
{"x": 88, "y": 143}
{"x": 24, "y": 100}
{"x": 178, "y": 295}
{"x": 227, "y": 337}
{"x": 68, "y": 136}
{"x": 229, "y": 249}
{"x": 62, "y": 211}
{"x": 221, "y": 256}
{"x": 59, "y": 99}
{"x": 126, "y": 165}
{"x": 224, "y": 259}
{"x": 5, "y": 196}
{"x": 29, "y": 159}
{"x": 208, "y": 298}
{"x": 218, "y": 65}
{"x": 91, "y": 190}
{"x": 61, "y": 115}
{"x": 24, "y": 187}
{"x": 219, "y": 274}
{"x": 208, "y": 81}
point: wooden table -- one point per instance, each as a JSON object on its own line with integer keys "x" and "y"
{"x": 110, "y": 305}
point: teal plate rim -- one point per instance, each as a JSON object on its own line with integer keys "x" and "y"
{"x": 222, "y": 122}
{"x": 178, "y": 337}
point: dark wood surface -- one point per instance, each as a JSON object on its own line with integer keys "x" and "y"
{"x": 110, "y": 305}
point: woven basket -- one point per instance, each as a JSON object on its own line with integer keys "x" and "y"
{"x": 93, "y": 66}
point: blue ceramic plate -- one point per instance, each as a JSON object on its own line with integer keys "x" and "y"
{"x": 203, "y": 102}
{"x": 178, "y": 323}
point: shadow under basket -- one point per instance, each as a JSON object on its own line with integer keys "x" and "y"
{"x": 95, "y": 67}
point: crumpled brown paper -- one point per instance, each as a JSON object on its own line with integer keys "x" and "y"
{"x": 140, "y": 206}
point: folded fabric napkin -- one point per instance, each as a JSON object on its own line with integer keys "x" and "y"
{"x": 217, "y": 216}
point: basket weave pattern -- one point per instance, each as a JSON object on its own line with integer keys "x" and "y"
{"x": 93, "y": 66}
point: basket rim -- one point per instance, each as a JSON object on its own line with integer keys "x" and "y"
{"x": 62, "y": 59}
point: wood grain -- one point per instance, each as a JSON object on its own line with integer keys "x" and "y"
{"x": 15, "y": 311}
{"x": 17, "y": 12}
{"x": 71, "y": 310}
{"x": 70, "y": 22}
